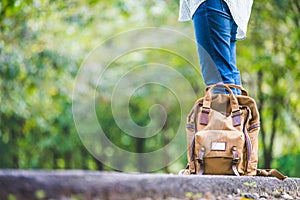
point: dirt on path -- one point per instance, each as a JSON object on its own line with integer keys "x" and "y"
{"x": 94, "y": 185}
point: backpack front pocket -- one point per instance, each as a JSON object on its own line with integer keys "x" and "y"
{"x": 219, "y": 152}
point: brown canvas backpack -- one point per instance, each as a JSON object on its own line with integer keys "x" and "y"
{"x": 222, "y": 135}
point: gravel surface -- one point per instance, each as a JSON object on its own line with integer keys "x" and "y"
{"x": 94, "y": 185}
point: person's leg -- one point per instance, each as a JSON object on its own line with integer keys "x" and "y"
{"x": 214, "y": 27}
{"x": 235, "y": 70}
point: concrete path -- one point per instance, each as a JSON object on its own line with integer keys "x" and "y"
{"x": 77, "y": 184}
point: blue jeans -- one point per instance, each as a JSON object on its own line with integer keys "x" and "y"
{"x": 215, "y": 32}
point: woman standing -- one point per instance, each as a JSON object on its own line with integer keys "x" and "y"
{"x": 217, "y": 25}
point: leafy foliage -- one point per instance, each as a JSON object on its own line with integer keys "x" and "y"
{"x": 43, "y": 43}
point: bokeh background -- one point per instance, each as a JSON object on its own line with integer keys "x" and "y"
{"x": 43, "y": 43}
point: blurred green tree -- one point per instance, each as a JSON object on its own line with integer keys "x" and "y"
{"x": 43, "y": 43}
{"x": 273, "y": 55}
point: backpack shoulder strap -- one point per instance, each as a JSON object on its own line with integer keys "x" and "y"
{"x": 273, "y": 172}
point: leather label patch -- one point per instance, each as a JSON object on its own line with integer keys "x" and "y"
{"x": 218, "y": 146}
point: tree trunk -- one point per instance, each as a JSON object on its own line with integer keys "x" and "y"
{"x": 140, "y": 148}
{"x": 99, "y": 164}
{"x": 260, "y": 108}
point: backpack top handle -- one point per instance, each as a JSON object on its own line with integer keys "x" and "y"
{"x": 243, "y": 90}
{"x": 235, "y": 108}
{"x": 233, "y": 100}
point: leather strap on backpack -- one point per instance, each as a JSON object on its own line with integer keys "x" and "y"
{"x": 268, "y": 172}
{"x": 201, "y": 161}
{"x": 235, "y": 160}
